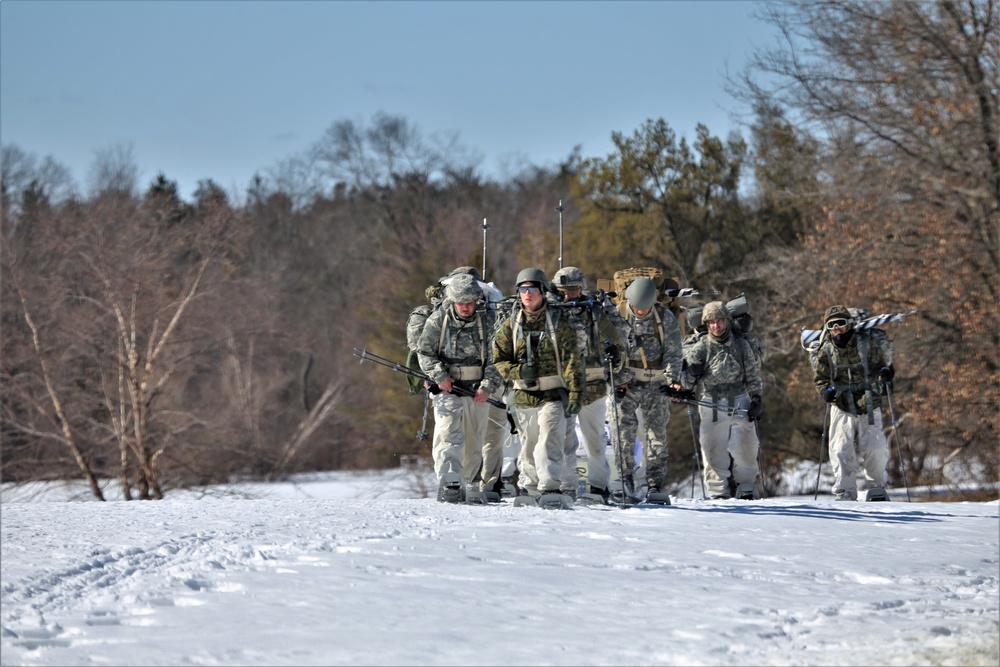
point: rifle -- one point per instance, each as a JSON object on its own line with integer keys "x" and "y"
{"x": 688, "y": 396}
{"x": 365, "y": 355}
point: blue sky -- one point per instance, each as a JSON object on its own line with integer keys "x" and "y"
{"x": 225, "y": 89}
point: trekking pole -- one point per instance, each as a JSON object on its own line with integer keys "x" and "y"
{"x": 822, "y": 446}
{"x": 760, "y": 465}
{"x": 895, "y": 433}
{"x": 485, "y": 227}
{"x": 697, "y": 459}
{"x": 422, "y": 433}
{"x": 620, "y": 449}
{"x": 560, "y": 209}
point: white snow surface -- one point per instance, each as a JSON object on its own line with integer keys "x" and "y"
{"x": 341, "y": 569}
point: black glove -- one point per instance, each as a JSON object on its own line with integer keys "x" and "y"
{"x": 529, "y": 372}
{"x": 613, "y": 354}
{"x": 620, "y": 392}
{"x": 886, "y": 374}
{"x": 756, "y": 408}
{"x": 434, "y": 389}
{"x": 682, "y": 394}
{"x": 829, "y": 394}
{"x": 696, "y": 369}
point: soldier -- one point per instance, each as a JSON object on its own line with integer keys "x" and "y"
{"x": 655, "y": 361}
{"x": 598, "y": 334}
{"x": 455, "y": 352}
{"x": 849, "y": 366}
{"x": 725, "y": 368}
{"x": 536, "y": 349}
{"x": 484, "y": 466}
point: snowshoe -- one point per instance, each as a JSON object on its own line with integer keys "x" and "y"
{"x": 492, "y": 496}
{"x": 876, "y": 495}
{"x": 658, "y": 498}
{"x": 476, "y": 497}
{"x": 595, "y": 496}
{"x": 624, "y": 494}
{"x": 555, "y": 500}
{"x": 451, "y": 488}
{"x": 747, "y": 491}
{"x": 525, "y": 500}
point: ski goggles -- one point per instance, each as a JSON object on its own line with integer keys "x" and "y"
{"x": 836, "y": 324}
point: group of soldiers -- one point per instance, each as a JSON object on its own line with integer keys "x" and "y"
{"x": 558, "y": 354}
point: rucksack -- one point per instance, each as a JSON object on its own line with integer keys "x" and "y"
{"x": 414, "y": 325}
{"x": 875, "y": 336}
{"x": 624, "y": 277}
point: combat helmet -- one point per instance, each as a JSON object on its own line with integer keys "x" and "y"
{"x": 641, "y": 294}
{"x": 569, "y": 276}
{"x": 532, "y": 275}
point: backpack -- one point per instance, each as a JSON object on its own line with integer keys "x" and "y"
{"x": 624, "y": 277}
{"x": 414, "y": 325}
{"x": 875, "y": 336}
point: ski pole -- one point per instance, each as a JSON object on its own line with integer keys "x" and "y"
{"x": 560, "y": 209}
{"x": 485, "y": 227}
{"x": 697, "y": 459}
{"x": 620, "y": 449}
{"x": 422, "y": 433}
{"x": 895, "y": 433}
{"x": 365, "y": 355}
{"x": 822, "y": 446}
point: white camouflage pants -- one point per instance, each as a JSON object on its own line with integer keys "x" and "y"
{"x": 497, "y": 433}
{"x": 543, "y": 434}
{"x": 594, "y": 434}
{"x": 459, "y": 429}
{"x": 731, "y": 435}
{"x": 871, "y": 455}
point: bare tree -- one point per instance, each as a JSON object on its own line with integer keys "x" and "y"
{"x": 904, "y": 96}
{"x": 114, "y": 170}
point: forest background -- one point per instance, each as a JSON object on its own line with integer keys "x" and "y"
{"x": 167, "y": 343}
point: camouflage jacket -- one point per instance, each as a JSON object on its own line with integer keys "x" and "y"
{"x": 844, "y": 370}
{"x": 730, "y": 367}
{"x": 649, "y": 351}
{"x": 510, "y": 355}
{"x": 449, "y": 343}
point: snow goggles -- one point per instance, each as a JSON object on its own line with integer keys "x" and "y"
{"x": 836, "y": 324}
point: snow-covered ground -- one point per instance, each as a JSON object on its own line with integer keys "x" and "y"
{"x": 342, "y": 569}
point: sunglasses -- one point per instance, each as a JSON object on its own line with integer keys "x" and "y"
{"x": 836, "y": 324}
{"x": 527, "y": 289}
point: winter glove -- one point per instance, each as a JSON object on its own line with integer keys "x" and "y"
{"x": 829, "y": 394}
{"x": 620, "y": 392}
{"x": 682, "y": 394}
{"x": 613, "y": 354}
{"x": 696, "y": 370}
{"x": 573, "y": 408}
{"x": 529, "y": 372}
{"x": 756, "y": 408}
{"x": 886, "y": 374}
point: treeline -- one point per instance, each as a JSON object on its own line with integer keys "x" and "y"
{"x": 164, "y": 342}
